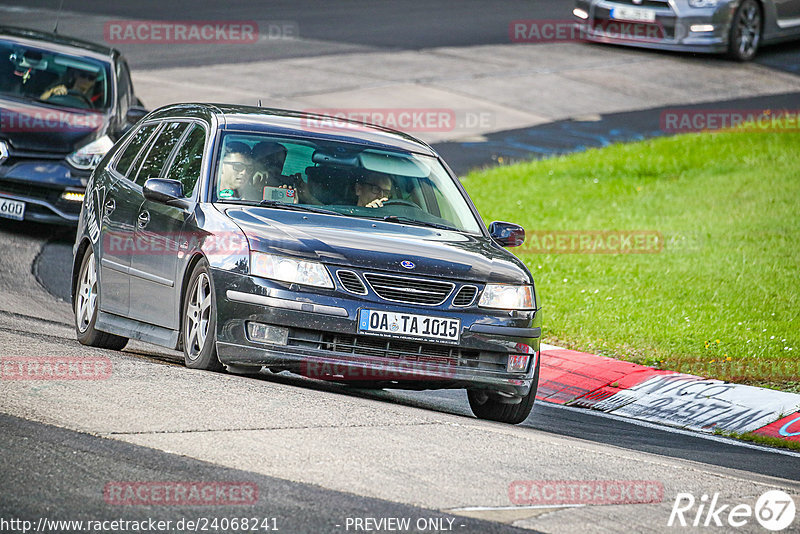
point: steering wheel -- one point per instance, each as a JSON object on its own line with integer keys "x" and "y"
{"x": 72, "y": 98}
{"x": 77, "y": 94}
{"x": 400, "y": 202}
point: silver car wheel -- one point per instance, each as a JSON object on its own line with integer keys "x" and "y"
{"x": 198, "y": 313}
{"x": 87, "y": 295}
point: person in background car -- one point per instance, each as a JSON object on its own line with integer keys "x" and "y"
{"x": 78, "y": 81}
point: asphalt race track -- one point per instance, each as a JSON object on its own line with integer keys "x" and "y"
{"x": 320, "y": 454}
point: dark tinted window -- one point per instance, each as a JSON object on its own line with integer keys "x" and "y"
{"x": 133, "y": 148}
{"x": 160, "y": 150}
{"x": 188, "y": 160}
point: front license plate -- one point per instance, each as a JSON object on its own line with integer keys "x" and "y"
{"x": 12, "y": 209}
{"x": 408, "y": 325}
{"x": 635, "y": 14}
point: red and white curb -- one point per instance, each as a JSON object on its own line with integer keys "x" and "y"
{"x": 665, "y": 397}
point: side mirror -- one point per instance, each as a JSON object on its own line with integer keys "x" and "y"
{"x": 163, "y": 191}
{"x": 135, "y": 114}
{"x": 507, "y": 234}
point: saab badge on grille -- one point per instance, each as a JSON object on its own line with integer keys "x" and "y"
{"x": 407, "y": 264}
{"x": 3, "y": 152}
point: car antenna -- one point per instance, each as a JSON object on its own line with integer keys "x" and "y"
{"x": 259, "y": 100}
{"x": 58, "y": 15}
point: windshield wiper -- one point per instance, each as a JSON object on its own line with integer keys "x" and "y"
{"x": 415, "y": 222}
{"x": 279, "y": 205}
{"x": 296, "y": 207}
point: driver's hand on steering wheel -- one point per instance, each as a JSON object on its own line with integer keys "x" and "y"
{"x": 377, "y": 203}
{"x": 58, "y": 90}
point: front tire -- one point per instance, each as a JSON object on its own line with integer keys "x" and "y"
{"x": 487, "y": 406}
{"x": 745, "y": 33}
{"x": 84, "y": 306}
{"x": 200, "y": 321}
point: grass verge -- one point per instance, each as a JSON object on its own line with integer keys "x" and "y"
{"x": 719, "y": 298}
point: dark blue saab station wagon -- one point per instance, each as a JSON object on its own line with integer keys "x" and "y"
{"x": 254, "y": 238}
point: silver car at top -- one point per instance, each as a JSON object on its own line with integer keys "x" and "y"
{"x": 735, "y": 27}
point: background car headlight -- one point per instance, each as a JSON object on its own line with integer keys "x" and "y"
{"x": 703, "y": 3}
{"x": 88, "y": 156}
{"x": 307, "y": 273}
{"x": 507, "y": 297}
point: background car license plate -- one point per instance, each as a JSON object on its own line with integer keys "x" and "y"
{"x": 12, "y": 209}
{"x": 406, "y": 324}
{"x": 635, "y": 14}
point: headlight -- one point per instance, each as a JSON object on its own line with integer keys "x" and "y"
{"x": 88, "y": 156}
{"x": 507, "y": 297}
{"x": 306, "y": 273}
{"x": 703, "y": 3}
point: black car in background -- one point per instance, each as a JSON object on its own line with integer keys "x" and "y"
{"x": 254, "y": 238}
{"x": 63, "y": 104}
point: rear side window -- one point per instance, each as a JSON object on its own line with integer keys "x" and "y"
{"x": 159, "y": 151}
{"x": 132, "y": 150}
{"x": 188, "y": 160}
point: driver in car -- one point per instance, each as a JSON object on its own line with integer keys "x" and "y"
{"x": 373, "y": 189}
{"x": 80, "y": 82}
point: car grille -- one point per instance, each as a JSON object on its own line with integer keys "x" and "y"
{"x": 27, "y": 190}
{"x": 409, "y": 290}
{"x": 351, "y": 282}
{"x": 397, "y": 349}
{"x": 644, "y": 3}
{"x": 465, "y": 296}
{"x": 46, "y": 194}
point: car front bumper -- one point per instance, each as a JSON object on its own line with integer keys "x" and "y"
{"x": 39, "y": 183}
{"x": 672, "y": 29}
{"x": 323, "y": 340}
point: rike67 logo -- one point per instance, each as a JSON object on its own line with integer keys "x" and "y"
{"x": 774, "y": 510}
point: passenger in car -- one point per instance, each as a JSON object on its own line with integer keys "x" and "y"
{"x": 269, "y": 158}
{"x": 373, "y": 189}
{"x": 237, "y": 170}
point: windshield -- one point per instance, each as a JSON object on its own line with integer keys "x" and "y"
{"x": 353, "y": 180}
{"x": 58, "y": 79}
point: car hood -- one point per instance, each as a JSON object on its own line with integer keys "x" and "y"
{"x": 378, "y": 245}
{"x": 30, "y": 126}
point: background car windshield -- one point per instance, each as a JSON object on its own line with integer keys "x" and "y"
{"x": 58, "y": 79}
{"x": 350, "y": 179}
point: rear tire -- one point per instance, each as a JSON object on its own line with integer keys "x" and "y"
{"x": 744, "y": 36}
{"x": 84, "y": 306}
{"x": 200, "y": 321}
{"x": 486, "y": 406}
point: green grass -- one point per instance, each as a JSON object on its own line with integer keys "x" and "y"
{"x": 769, "y": 441}
{"x": 720, "y": 299}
